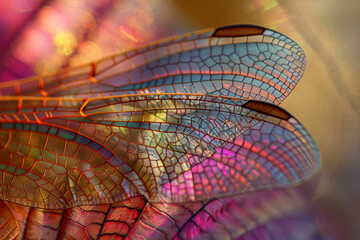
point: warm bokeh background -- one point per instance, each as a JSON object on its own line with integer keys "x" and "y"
{"x": 40, "y": 36}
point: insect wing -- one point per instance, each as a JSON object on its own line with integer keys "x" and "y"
{"x": 171, "y": 148}
{"x": 254, "y": 216}
{"x": 239, "y": 61}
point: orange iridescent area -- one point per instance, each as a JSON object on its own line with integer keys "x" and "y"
{"x": 187, "y": 119}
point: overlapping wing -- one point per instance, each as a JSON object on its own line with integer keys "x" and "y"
{"x": 143, "y": 144}
{"x": 239, "y": 61}
{"x": 275, "y": 214}
{"x": 59, "y": 153}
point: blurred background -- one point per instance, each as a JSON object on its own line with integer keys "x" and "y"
{"x": 41, "y": 36}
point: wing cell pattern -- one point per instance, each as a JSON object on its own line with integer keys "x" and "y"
{"x": 158, "y": 142}
{"x": 164, "y": 147}
{"x": 256, "y": 216}
{"x": 264, "y": 65}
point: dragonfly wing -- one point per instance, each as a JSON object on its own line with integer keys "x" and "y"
{"x": 157, "y": 133}
{"x": 9, "y": 226}
{"x": 275, "y": 151}
{"x": 281, "y": 214}
{"x": 239, "y": 61}
{"x": 261, "y": 215}
{"x": 171, "y": 148}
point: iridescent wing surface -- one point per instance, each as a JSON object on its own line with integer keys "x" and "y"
{"x": 260, "y": 215}
{"x": 144, "y": 143}
{"x": 61, "y": 153}
{"x": 239, "y": 61}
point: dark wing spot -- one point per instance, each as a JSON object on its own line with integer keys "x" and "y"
{"x": 268, "y": 109}
{"x": 238, "y": 31}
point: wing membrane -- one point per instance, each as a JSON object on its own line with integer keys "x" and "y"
{"x": 158, "y": 133}
{"x": 239, "y": 61}
{"x": 165, "y": 147}
{"x": 254, "y": 216}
